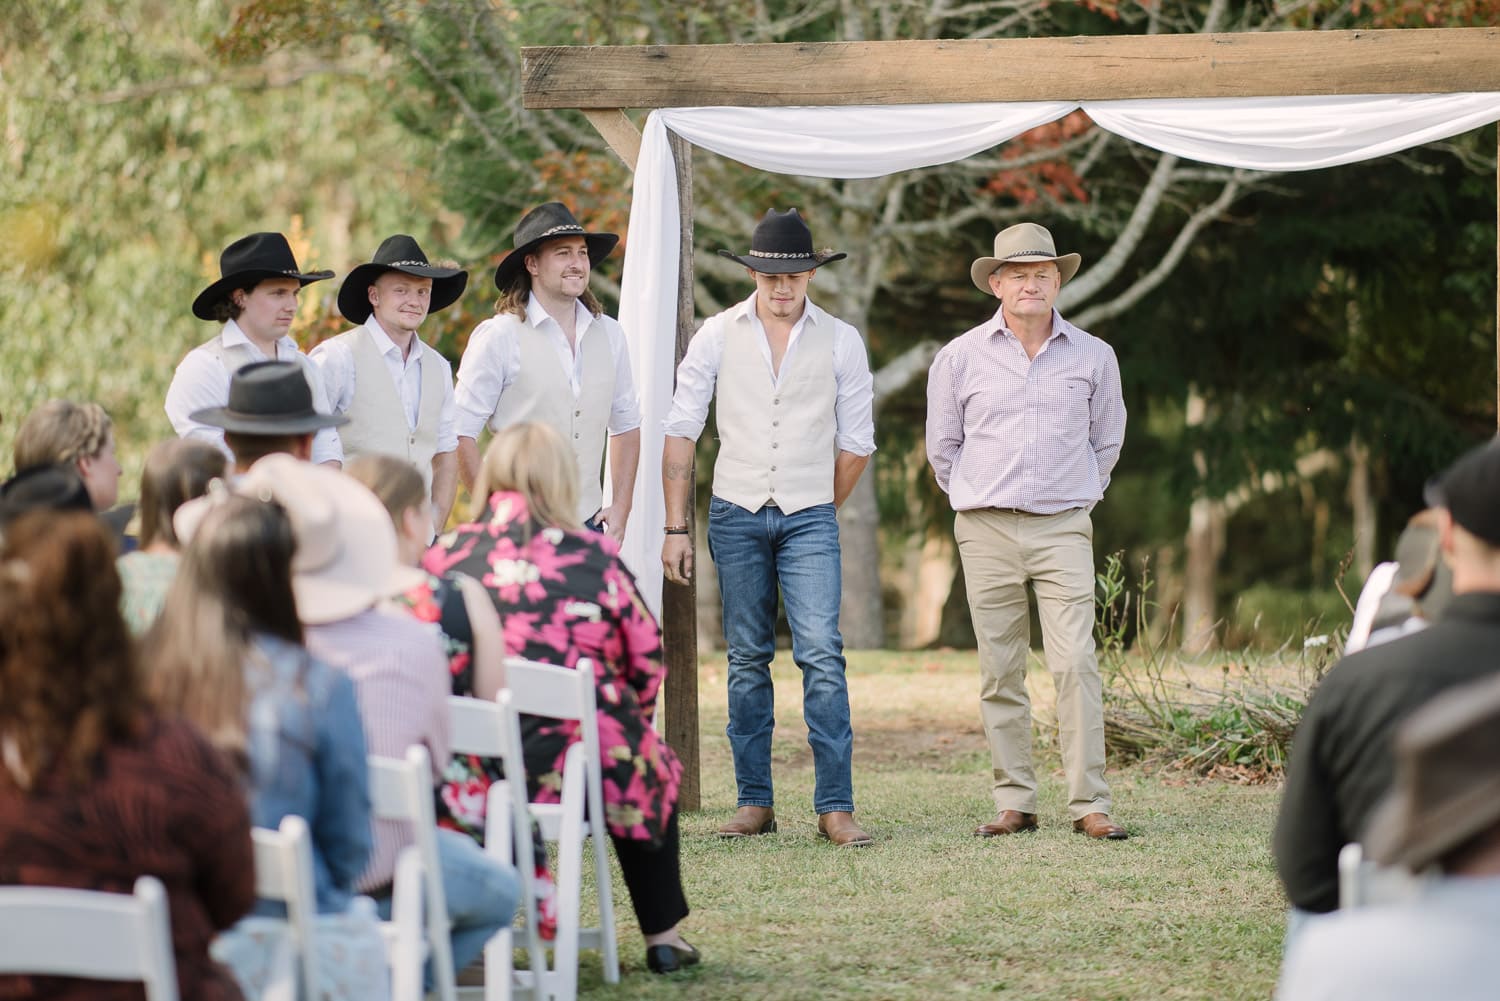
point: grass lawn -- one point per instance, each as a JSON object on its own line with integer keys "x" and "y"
{"x": 1189, "y": 907}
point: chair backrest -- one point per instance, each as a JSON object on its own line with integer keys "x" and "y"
{"x": 1363, "y": 883}
{"x": 402, "y": 790}
{"x": 46, "y": 931}
{"x": 284, "y": 872}
{"x": 404, "y": 932}
{"x": 484, "y": 728}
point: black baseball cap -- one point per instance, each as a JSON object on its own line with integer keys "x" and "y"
{"x": 1470, "y": 492}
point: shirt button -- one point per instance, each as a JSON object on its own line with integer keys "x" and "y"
{"x": 774, "y": 445}
{"x": 576, "y": 435}
{"x": 773, "y": 469}
{"x": 776, "y": 424}
{"x": 578, "y": 413}
{"x": 776, "y": 402}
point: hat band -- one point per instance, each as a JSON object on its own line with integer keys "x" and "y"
{"x": 408, "y": 264}
{"x": 565, "y": 228}
{"x": 1030, "y": 253}
{"x": 772, "y": 253}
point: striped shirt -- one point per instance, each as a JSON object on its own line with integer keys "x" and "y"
{"x": 401, "y": 683}
{"x": 1037, "y": 434}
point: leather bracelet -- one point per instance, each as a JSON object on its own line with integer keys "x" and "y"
{"x": 676, "y": 530}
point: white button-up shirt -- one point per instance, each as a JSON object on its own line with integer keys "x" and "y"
{"x": 201, "y": 381}
{"x": 697, "y": 375}
{"x": 492, "y": 361}
{"x": 335, "y": 361}
{"x": 1038, "y": 434}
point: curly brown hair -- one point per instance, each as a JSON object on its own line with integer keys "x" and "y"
{"x": 68, "y": 678}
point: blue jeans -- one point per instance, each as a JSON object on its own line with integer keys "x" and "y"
{"x": 754, "y": 552}
{"x": 481, "y": 892}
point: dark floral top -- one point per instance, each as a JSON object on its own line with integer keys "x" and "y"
{"x": 562, "y": 597}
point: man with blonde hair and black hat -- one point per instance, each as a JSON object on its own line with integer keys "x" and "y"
{"x": 396, "y": 391}
{"x": 796, "y": 428}
{"x": 255, "y": 299}
{"x": 1025, "y": 419}
{"x": 550, "y": 354}
{"x": 1342, "y": 753}
{"x": 1443, "y": 814}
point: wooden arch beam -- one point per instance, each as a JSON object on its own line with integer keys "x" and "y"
{"x": 1085, "y": 68}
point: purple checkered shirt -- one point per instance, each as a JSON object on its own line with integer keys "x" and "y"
{"x": 1040, "y": 435}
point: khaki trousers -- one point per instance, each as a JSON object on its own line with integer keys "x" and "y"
{"x": 1001, "y": 550}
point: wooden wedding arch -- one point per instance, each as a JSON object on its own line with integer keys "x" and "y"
{"x": 604, "y": 81}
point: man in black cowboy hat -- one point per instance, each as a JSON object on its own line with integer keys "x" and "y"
{"x": 1342, "y": 753}
{"x": 255, "y": 299}
{"x": 270, "y": 410}
{"x": 1025, "y": 419}
{"x": 796, "y": 429}
{"x": 396, "y": 391}
{"x": 550, "y": 354}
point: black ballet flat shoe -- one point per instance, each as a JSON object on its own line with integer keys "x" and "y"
{"x": 669, "y": 958}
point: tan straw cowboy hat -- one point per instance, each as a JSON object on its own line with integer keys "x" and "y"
{"x": 1023, "y": 243}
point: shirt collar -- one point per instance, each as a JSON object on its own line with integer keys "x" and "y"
{"x": 233, "y": 334}
{"x": 1060, "y": 327}
{"x": 536, "y": 314}
{"x": 383, "y": 342}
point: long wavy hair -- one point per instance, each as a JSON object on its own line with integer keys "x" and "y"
{"x": 177, "y": 470}
{"x": 234, "y": 581}
{"x": 515, "y": 296}
{"x": 68, "y": 679}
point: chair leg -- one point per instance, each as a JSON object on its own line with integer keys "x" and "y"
{"x": 608, "y": 944}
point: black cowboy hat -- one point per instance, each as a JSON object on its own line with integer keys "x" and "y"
{"x": 782, "y": 245}
{"x": 551, "y": 221}
{"x": 399, "y": 253}
{"x": 248, "y": 260}
{"x": 269, "y": 397}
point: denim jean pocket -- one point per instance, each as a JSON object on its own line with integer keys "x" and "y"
{"x": 719, "y": 506}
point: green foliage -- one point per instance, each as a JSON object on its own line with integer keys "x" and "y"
{"x": 1163, "y": 709}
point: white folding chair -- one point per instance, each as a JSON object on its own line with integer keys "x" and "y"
{"x": 535, "y": 689}
{"x": 1363, "y": 883}
{"x": 284, "y": 872}
{"x": 480, "y": 728}
{"x": 405, "y": 938}
{"x": 402, "y": 790}
{"x": 47, "y": 931}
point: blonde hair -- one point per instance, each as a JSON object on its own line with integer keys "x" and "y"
{"x": 534, "y": 461}
{"x": 61, "y": 431}
{"x": 395, "y": 483}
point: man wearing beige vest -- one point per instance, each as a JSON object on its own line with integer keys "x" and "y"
{"x": 1025, "y": 420}
{"x": 255, "y": 299}
{"x": 396, "y": 391}
{"x": 796, "y": 429}
{"x": 550, "y": 354}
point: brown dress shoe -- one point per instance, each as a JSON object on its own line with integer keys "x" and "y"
{"x": 748, "y": 821}
{"x": 1008, "y": 822}
{"x": 1098, "y": 825}
{"x": 841, "y": 829}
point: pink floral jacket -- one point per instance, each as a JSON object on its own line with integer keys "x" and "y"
{"x": 565, "y": 596}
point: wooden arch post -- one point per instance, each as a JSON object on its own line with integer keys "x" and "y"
{"x": 602, "y": 81}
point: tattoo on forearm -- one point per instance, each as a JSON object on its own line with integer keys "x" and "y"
{"x": 679, "y": 470}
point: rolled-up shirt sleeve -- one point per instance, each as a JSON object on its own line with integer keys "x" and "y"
{"x": 200, "y": 382}
{"x": 697, "y": 375}
{"x": 945, "y": 421}
{"x": 854, "y": 410}
{"x": 482, "y": 376}
{"x": 625, "y": 407}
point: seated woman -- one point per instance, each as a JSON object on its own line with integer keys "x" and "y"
{"x": 176, "y": 471}
{"x": 565, "y": 596}
{"x": 461, "y": 609}
{"x": 96, "y": 788}
{"x": 79, "y": 434}
{"x": 227, "y": 655}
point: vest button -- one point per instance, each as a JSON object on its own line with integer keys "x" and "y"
{"x": 776, "y": 402}
{"x": 578, "y": 413}
{"x": 576, "y": 435}
{"x": 774, "y": 445}
{"x": 776, "y": 424}
{"x": 773, "y": 469}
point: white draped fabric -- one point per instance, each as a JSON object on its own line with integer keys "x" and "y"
{"x": 1278, "y": 134}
